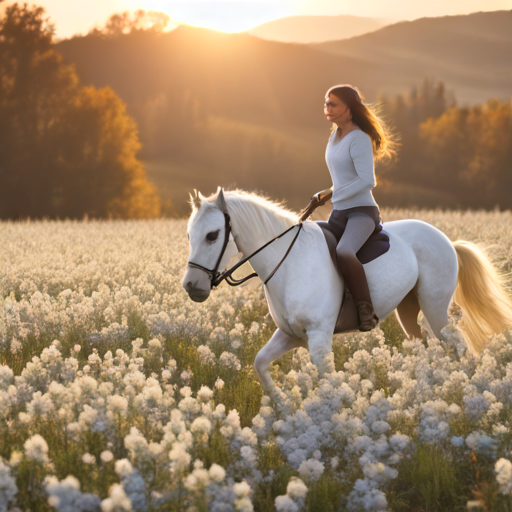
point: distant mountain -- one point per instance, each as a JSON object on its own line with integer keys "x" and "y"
{"x": 470, "y": 53}
{"x": 315, "y": 29}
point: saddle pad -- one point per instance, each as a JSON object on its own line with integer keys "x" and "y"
{"x": 375, "y": 246}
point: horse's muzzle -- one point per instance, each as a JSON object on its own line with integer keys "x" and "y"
{"x": 199, "y": 297}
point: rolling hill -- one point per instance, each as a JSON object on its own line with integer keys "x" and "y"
{"x": 234, "y": 75}
{"x": 470, "y": 53}
{"x": 315, "y": 29}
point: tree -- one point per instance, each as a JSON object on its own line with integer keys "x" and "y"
{"x": 126, "y": 22}
{"x": 469, "y": 152}
{"x": 65, "y": 150}
{"x": 406, "y": 113}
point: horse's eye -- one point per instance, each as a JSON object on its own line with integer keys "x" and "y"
{"x": 212, "y": 235}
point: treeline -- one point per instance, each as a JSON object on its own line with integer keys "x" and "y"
{"x": 65, "y": 150}
{"x": 449, "y": 156}
{"x": 453, "y": 157}
{"x": 126, "y": 22}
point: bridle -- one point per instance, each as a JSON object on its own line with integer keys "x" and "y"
{"x": 217, "y": 277}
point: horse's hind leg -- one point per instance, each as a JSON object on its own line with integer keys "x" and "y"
{"x": 438, "y": 270}
{"x": 407, "y": 314}
{"x": 435, "y": 308}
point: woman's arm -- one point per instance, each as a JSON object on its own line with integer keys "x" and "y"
{"x": 361, "y": 151}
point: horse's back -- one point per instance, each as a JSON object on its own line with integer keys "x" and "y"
{"x": 433, "y": 249}
{"x": 424, "y": 239}
{"x": 434, "y": 252}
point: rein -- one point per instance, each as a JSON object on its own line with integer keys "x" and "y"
{"x": 217, "y": 277}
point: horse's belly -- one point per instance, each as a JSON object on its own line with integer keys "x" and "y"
{"x": 391, "y": 276}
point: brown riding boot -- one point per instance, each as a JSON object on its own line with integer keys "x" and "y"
{"x": 367, "y": 317}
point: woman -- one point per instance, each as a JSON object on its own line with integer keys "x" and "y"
{"x": 357, "y": 135}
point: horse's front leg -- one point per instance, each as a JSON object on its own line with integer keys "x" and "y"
{"x": 279, "y": 344}
{"x": 320, "y": 351}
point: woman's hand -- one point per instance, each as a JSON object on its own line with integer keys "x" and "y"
{"x": 319, "y": 199}
{"x": 323, "y": 196}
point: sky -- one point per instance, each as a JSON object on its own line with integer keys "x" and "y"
{"x": 78, "y": 16}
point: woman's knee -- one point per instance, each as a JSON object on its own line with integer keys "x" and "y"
{"x": 345, "y": 253}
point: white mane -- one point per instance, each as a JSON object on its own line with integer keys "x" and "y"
{"x": 250, "y": 209}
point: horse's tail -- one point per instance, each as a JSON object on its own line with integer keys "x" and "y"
{"x": 482, "y": 295}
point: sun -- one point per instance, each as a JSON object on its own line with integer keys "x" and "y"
{"x": 226, "y": 16}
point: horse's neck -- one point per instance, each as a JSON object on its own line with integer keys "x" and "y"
{"x": 250, "y": 236}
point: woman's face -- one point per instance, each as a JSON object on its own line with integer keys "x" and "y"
{"x": 336, "y": 110}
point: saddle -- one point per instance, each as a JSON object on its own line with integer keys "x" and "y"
{"x": 376, "y": 245}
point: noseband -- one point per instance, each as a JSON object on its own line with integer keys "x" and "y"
{"x": 217, "y": 277}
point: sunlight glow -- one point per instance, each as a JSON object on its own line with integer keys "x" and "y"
{"x": 78, "y": 17}
{"x": 225, "y": 15}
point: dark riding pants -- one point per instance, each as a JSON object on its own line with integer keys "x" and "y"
{"x": 352, "y": 228}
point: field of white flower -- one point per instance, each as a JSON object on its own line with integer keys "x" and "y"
{"x": 119, "y": 393}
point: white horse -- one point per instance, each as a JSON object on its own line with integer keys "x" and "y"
{"x": 422, "y": 270}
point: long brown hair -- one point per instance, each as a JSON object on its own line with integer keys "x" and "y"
{"x": 366, "y": 116}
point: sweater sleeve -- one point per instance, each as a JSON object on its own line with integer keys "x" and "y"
{"x": 361, "y": 151}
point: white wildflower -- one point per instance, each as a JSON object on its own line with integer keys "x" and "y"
{"x": 217, "y": 473}
{"x": 107, "y": 456}
{"x": 123, "y": 467}
{"x": 117, "y": 500}
{"x": 199, "y": 478}
{"x": 229, "y": 360}
{"x": 36, "y": 448}
{"x": 285, "y": 504}
{"x": 179, "y": 456}
{"x": 186, "y": 376}
{"x": 206, "y": 356}
{"x": 242, "y": 489}
{"x": 296, "y": 488}
{"x": 185, "y": 392}
{"x": 16, "y": 458}
{"x": 311, "y": 469}
{"x": 204, "y": 394}
{"x": 88, "y": 458}
{"x": 8, "y": 488}
{"x": 117, "y": 405}
{"x": 503, "y": 468}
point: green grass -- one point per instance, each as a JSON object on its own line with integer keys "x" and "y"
{"x": 428, "y": 482}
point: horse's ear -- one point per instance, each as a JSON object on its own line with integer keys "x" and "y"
{"x": 220, "y": 200}
{"x": 195, "y": 200}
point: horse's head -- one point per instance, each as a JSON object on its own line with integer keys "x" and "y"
{"x": 206, "y": 233}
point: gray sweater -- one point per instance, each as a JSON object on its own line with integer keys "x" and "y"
{"x": 350, "y": 162}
